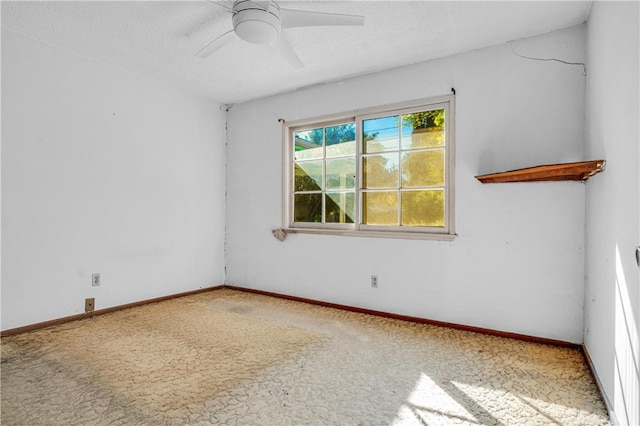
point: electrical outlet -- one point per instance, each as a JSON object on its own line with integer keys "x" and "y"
{"x": 89, "y": 304}
{"x": 374, "y": 281}
{"x": 95, "y": 280}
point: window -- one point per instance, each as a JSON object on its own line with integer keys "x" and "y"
{"x": 383, "y": 172}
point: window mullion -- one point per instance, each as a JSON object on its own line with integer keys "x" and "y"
{"x": 288, "y": 186}
{"x": 358, "y": 183}
{"x": 399, "y": 219}
{"x": 323, "y": 219}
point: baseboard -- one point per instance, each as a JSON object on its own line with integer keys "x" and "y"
{"x": 603, "y": 395}
{"x": 491, "y": 332}
{"x": 419, "y": 320}
{"x": 57, "y": 321}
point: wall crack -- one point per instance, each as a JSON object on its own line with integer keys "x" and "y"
{"x": 584, "y": 66}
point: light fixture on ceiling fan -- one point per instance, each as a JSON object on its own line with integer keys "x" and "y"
{"x": 261, "y": 22}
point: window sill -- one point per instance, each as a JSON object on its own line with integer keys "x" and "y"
{"x": 373, "y": 234}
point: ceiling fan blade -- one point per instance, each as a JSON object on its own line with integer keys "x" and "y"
{"x": 302, "y": 18}
{"x": 222, "y": 5}
{"x": 214, "y": 45}
{"x": 284, "y": 49}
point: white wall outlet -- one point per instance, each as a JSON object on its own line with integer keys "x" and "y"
{"x": 374, "y": 281}
{"x": 95, "y": 280}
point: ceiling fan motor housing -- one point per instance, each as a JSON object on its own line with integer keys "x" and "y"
{"x": 256, "y": 24}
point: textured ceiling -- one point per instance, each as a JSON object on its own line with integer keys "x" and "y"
{"x": 159, "y": 39}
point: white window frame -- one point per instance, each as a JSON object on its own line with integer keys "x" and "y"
{"x": 358, "y": 229}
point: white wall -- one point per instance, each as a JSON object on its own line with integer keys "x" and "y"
{"x": 518, "y": 262}
{"x": 107, "y": 171}
{"x": 612, "y": 295}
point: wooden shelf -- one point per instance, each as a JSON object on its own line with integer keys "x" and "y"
{"x": 582, "y": 170}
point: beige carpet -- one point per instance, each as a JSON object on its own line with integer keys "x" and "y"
{"x": 227, "y": 357}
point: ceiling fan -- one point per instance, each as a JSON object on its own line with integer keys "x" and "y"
{"x": 262, "y": 22}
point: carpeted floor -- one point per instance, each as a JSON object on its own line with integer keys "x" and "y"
{"x": 227, "y": 357}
